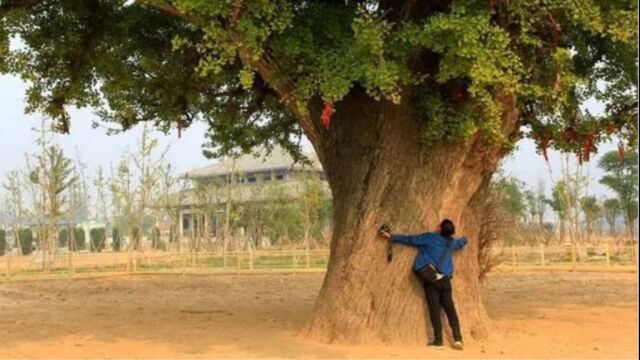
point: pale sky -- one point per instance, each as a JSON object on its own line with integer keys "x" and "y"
{"x": 97, "y": 148}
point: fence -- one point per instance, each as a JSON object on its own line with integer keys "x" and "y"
{"x": 82, "y": 264}
{"x": 572, "y": 256}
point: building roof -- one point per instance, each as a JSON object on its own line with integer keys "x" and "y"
{"x": 277, "y": 159}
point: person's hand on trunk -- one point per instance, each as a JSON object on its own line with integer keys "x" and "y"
{"x": 384, "y": 232}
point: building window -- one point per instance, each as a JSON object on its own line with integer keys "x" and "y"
{"x": 279, "y": 176}
{"x": 251, "y": 179}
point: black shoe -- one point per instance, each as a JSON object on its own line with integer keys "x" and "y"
{"x": 436, "y": 345}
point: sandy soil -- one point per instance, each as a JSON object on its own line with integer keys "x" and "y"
{"x": 536, "y": 315}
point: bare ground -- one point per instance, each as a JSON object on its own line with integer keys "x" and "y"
{"x": 535, "y": 315}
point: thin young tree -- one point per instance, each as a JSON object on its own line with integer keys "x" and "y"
{"x": 54, "y": 175}
{"x": 231, "y": 182}
{"x": 122, "y": 196}
{"x": 409, "y": 105}
{"x": 13, "y": 185}
{"x": 537, "y": 203}
{"x": 567, "y": 192}
{"x": 311, "y": 198}
{"x": 148, "y": 164}
{"x": 137, "y": 183}
{"x": 253, "y": 214}
{"x": 557, "y": 204}
{"x": 14, "y": 202}
{"x": 172, "y": 195}
{"x": 611, "y": 211}
{"x": 206, "y": 196}
{"x": 81, "y": 196}
{"x": 592, "y": 215}
{"x": 283, "y": 217}
{"x": 100, "y": 184}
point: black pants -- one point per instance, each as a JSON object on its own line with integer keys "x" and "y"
{"x": 439, "y": 296}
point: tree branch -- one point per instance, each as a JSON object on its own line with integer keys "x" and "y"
{"x": 264, "y": 66}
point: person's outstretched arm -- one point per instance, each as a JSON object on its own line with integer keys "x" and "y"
{"x": 415, "y": 240}
{"x": 459, "y": 243}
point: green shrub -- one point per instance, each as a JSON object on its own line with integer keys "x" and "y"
{"x": 98, "y": 239}
{"x": 79, "y": 238}
{"x": 63, "y": 237}
{"x": 25, "y": 237}
{"x": 115, "y": 241}
{"x": 172, "y": 233}
{"x": 156, "y": 240}
{"x": 3, "y": 241}
{"x": 135, "y": 238}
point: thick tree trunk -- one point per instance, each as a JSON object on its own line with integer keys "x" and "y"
{"x": 380, "y": 171}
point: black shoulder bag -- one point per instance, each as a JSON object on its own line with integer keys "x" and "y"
{"x": 429, "y": 273}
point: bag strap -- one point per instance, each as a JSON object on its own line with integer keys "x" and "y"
{"x": 447, "y": 248}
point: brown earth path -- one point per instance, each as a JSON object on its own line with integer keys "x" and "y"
{"x": 535, "y": 315}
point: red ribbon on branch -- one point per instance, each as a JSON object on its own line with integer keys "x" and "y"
{"x": 326, "y": 114}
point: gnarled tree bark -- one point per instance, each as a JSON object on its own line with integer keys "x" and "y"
{"x": 381, "y": 171}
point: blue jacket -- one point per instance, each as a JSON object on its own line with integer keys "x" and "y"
{"x": 430, "y": 249}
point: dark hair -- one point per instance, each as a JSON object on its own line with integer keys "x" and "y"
{"x": 447, "y": 229}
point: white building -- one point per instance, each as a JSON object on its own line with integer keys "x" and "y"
{"x": 240, "y": 179}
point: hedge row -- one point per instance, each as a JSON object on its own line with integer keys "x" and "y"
{"x": 98, "y": 239}
{"x": 25, "y": 237}
{"x": 116, "y": 239}
{"x": 156, "y": 241}
{"x": 3, "y": 241}
{"x": 64, "y": 239}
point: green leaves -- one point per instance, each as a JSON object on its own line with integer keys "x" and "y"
{"x": 227, "y": 62}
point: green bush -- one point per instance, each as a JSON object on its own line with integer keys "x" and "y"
{"x": 79, "y": 238}
{"x": 115, "y": 241}
{"x": 134, "y": 240}
{"x": 25, "y": 237}
{"x": 98, "y": 239}
{"x": 172, "y": 233}
{"x": 156, "y": 240}
{"x": 63, "y": 237}
{"x": 3, "y": 241}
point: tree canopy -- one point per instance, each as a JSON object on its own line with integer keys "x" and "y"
{"x": 261, "y": 72}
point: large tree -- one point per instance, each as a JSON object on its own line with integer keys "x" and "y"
{"x": 409, "y": 106}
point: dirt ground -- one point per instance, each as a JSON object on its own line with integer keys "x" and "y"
{"x": 535, "y": 315}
